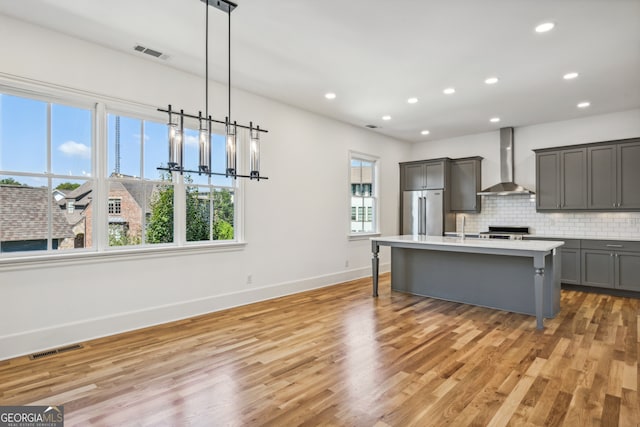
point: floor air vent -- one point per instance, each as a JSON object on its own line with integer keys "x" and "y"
{"x": 36, "y": 356}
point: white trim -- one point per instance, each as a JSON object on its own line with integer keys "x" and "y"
{"x": 27, "y": 342}
{"x": 362, "y": 236}
{"x": 30, "y": 261}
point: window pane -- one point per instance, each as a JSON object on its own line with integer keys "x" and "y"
{"x": 24, "y": 218}
{"x": 367, "y": 219}
{"x": 356, "y": 177}
{"x": 124, "y": 136}
{"x": 125, "y": 206}
{"x": 367, "y": 178}
{"x": 156, "y": 148}
{"x": 70, "y": 140}
{"x": 159, "y": 214}
{"x": 23, "y": 134}
{"x": 219, "y": 159}
{"x": 199, "y": 206}
{"x": 73, "y": 198}
{"x": 223, "y": 214}
{"x": 357, "y": 206}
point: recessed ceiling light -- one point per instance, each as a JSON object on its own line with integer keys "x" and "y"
{"x": 494, "y": 119}
{"x": 584, "y": 104}
{"x": 570, "y": 76}
{"x": 330, "y": 95}
{"x": 386, "y": 117}
{"x": 544, "y": 27}
{"x": 449, "y": 91}
{"x": 491, "y": 80}
{"x": 412, "y": 100}
{"x": 424, "y": 132}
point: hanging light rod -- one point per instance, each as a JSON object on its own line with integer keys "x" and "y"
{"x": 212, "y": 120}
{"x": 223, "y": 5}
{"x": 176, "y": 121}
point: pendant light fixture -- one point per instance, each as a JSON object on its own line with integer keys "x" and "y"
{"x": 176, "y": 122}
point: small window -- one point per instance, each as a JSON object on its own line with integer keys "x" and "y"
{"x": 115, "y": 206}
{"x": 363, "y": 187}
{"x": 71, "y": 207}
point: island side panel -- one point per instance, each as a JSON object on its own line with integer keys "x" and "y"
{"x": 496, "y": 281}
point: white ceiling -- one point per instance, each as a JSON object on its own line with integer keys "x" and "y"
{"x": 376, "y": 54}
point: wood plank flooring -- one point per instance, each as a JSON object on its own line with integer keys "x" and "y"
{"x": 336, "y": 356}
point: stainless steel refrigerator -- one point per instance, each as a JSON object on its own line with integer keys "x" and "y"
{"x": 423, "y": 212}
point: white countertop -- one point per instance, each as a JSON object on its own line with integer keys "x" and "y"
{"x": 472, "y": 243}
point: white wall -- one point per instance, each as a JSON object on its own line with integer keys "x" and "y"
{"x": 296, "y": 222}
{"x": 624, "y": 124}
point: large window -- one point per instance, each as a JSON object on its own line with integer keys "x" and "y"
{"x": 46, "y": 152}
{"x": 363, "y": 193}
{"x": 52, "y": 200}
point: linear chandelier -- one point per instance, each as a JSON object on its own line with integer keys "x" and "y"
{"x": 176, "y": 122}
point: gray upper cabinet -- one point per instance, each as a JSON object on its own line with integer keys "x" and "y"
{"x": 601, "y": 176}
{"x": 465, "y": 184}
{"x": 424, "y": 175}
{"x": 435, "y": 172}
{"x": 561, "y": 179}
{"x": 573, "y": 179}
{"x": 548, "y": 180}
{"x": 415, "y": 177}
{"x": 629, "y": 175}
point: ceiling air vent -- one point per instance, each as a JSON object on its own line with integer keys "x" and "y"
{"x": 371, "y": 126}
{"x": 151, "y": 52}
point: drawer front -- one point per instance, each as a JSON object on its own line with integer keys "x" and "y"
{"x": 611, "y": 245}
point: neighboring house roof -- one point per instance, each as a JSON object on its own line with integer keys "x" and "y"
{"x": 24, "y": 214}
{"x": 81, "y": 197}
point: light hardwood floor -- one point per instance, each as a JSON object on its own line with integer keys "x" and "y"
{"x": 337, "y": 356}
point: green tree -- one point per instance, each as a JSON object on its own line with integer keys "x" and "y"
{"x": 199, "y": 216}
{"x": 10, "y": 181}
{"x": 67, "y": 186}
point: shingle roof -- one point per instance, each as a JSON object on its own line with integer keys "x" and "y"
{"x": 23, "y": 214}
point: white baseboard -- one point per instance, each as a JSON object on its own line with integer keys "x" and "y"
{"x": 33, "y": 341}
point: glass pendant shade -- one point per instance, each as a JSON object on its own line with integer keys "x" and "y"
{"x": 204, "y": 144}
{"x": 254, "y": 152}
{"x": 231, "y": 148}
{"x": 175, "y": 142}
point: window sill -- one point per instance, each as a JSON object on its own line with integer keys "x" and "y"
{"x": 362, "y": 236}
{"x": 110, "y": 255}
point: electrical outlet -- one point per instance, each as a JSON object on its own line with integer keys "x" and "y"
{"x": 249, "y": 279}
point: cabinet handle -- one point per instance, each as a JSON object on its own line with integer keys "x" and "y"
{"x": 615, "y": 246}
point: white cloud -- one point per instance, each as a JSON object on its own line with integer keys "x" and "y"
{"x": 72, "y": 148}
{"x": 191, "y": 140}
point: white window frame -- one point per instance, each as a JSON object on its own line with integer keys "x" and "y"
{"x": 375, "y": 196}
{"x": 100, "y": 107}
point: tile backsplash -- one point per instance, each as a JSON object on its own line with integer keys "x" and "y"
{"x": 521, "y": 210}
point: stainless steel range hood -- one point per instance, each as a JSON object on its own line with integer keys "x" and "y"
{"x": 507, "y": 187}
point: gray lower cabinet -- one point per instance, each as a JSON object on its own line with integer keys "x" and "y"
{"x": 570, "y": 259}
{"x": 611, "y": 264}
{"x": 627, "y": 267}
{"x": 597, "y": 268}
{"x": 465, "y": 184}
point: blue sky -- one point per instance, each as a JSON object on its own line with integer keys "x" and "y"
{"x": 23, "y": 143}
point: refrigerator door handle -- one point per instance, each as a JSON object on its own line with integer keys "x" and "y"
{"x": 423, "y": 218}
{"x": 420, "y": 214}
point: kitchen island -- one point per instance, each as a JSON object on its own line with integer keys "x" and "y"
{"x": 521, "y": 276}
